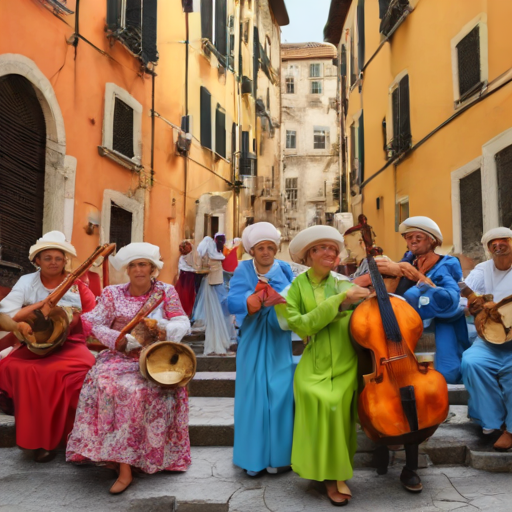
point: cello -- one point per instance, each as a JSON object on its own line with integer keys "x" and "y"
{"x": 403, "y": 401}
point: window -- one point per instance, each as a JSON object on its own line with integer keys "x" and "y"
{"x": 220, "y": 131}
{"x": 504, "y": 174}
{"x": 120, "y": 226}
{"x": 134, "y": 23}
{"x": 390, "y": 13}
{"x": 402, "y": 211}
{"x": 357, "y": 150}
{"x": 206, "y": 118}
{"x": 471, "y": 215}
{"x": 316, "y": 87}
{"x": 122, "y": 141}
{"x": 290, "y": 85}
{"x": 468, "y": 64}
{"x": 315, "y": 70}
{"x": 122, "y": 128}
{"x": 320, "y": 138}
{"x": 291, "y": 139}
{"x": 214, "y": 24}
{"x": 401, "y": 123}
{"x": 291, "y": 191}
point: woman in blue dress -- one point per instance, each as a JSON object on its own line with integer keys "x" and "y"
{"x": 264, "y": 376}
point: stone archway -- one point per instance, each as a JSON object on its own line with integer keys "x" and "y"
{"x": 60, "y": 169}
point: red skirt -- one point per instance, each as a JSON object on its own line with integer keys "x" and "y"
{"x": 45, "y": 391}
{"x": 185, "y": 287}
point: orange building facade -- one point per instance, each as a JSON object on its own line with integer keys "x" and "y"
{"x": 94, "y": 98}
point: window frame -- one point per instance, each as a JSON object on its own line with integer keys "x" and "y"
{"x": 289, "y": 133}
{"x": 399, "y": 202}
{"x": 326, "y": 137}
{"x": 481, "y": 22}
{"x": 390, "y": 122}
{"x": 318, "y": 83}
{"x": 287, "y": 83}
{"x": 313, "y": 66}
{"x": 293, "y": 189}
{"x": 132, "y": 205}
{"x": 113, "y": 91}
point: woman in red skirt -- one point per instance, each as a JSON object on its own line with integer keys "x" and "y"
{"x": 185, "y": 286}
{"x": 44, "y": 391}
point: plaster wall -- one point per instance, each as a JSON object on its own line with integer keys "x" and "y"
{"x": 315, "y": 169}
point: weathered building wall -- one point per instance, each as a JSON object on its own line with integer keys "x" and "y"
{"x": 315, "y": 169}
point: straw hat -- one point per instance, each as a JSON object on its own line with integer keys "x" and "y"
{"x": 52, "y": 240}
{"x": 312, "y": 236}
{"x": 136, "y": 251}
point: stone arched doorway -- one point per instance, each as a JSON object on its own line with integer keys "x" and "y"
{"x": 22, "y": 174}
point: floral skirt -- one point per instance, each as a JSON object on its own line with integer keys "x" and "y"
{"x": 124, "y": 418}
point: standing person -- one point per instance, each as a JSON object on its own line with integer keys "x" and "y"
{"x": 487, "y": 367}
{"x": 185, "y": 286}
{"x": 44, "y": 391}
{"x": 124, "y": 420}
{"x": 211, "y": 308}
{"x": 325, "y": 384}
{"x": 264, "y": 376}
{"x": 429, "y": 284}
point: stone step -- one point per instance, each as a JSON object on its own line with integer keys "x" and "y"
{"x": 457, "y": 441}
{"x": 216, "y": 363}
{"x": 213, "y": 384}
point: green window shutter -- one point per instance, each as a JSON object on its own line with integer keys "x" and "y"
{"x": 206, "y": 118}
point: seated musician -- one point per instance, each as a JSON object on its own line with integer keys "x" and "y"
{"x": 124, "y": 420}
{"x": 487, "y": 367}
{"x": 44, "y": 391}
{"x": 429, "y": 284}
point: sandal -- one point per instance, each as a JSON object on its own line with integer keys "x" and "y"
{"x": 119, "y": 487}
{"x": 329, "y": 485}
{"x": 410, "y": 480}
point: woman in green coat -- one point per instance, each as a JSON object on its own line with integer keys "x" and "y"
{"x": 325, "y": 384}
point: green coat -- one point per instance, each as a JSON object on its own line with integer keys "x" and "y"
{"x": 325, "y": 384}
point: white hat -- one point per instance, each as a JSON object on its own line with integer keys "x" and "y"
{"x": 424, "y": 224}
{"x": 136, "y": 251}
{"x": 493, "y": 234}
{"x": 260, "y": 232}
{"x": 51, "y": 240}
{"x": 312, "y": 236}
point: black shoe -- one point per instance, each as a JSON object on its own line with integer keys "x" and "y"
{"x": 42, "y": 455}
{"x": 410, "y": 480}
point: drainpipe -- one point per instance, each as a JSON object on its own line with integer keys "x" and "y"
{"x": 185, "y": 175}
{"x": 153, "y": 74}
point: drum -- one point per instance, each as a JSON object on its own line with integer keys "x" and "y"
{"x": 168, "y": 364}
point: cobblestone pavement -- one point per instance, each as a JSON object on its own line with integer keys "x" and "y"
{"x": 213, "y": 484}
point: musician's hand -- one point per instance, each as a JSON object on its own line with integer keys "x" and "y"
{"x": 476, "y": 304}
{"x": 355, "y": 294}
{"x": 254, "y": 303}
{"x": 410, "y": 271}
{"x": 389, "y": 268}
{"x": 132, "y": 343}
{"x": 24, "y": 329}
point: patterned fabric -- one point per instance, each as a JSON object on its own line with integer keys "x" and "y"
{"x": 121, "y": 416}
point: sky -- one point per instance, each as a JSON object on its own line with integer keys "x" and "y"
{"x": 307, "y": 21}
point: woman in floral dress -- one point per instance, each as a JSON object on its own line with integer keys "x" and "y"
{"x": 124, "y": 420}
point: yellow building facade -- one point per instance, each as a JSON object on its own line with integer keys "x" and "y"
{"x": 426, "y": 109}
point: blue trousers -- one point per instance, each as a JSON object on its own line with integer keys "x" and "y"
{"x": 487, "y": 375}
{"x": 451, "y": 341}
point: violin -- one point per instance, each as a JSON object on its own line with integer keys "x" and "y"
{"x": 403, "y": 401}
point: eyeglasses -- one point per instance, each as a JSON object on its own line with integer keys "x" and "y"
{"x": 415, "y": 237}
{"x": 326, "y": 248}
